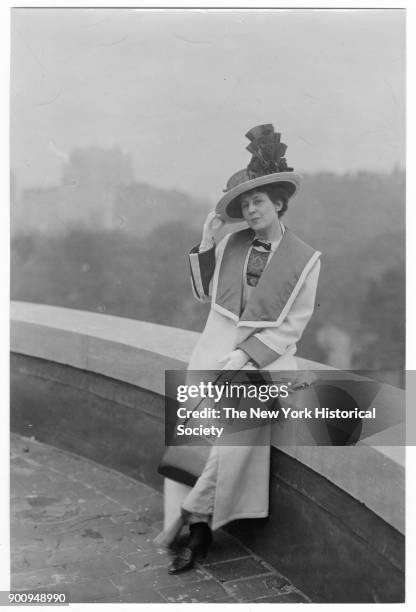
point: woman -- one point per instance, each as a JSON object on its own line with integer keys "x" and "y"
{"x": 261, "y": 282}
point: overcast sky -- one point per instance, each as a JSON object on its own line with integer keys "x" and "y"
{"x": 178, "y": 89}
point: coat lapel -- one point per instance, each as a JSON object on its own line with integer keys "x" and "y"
{"x": 229, "y": 291}
{"x": 278, "y": 285}
{"x": 279, "y": 280}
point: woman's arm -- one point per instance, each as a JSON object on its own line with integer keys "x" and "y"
{"x": 202, "y": 270}
{"x": 270, "y": 343}
{"x": 202, "y": 258}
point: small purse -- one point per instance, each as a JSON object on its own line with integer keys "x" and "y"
{"x": 184, "y": 463}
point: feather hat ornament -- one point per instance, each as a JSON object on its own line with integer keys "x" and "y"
{"x": 267, "y": 166}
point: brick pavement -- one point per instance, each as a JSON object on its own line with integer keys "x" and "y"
{"x": 79, "y": 527}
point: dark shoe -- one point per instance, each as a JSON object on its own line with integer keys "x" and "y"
{"x": 199, "y": 542}
{"x": 179, "y": 542}
{"x": 200, "y": 538}
{"x": 184, "y": 560}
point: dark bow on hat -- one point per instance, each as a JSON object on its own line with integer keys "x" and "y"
{"x": 267, "y": 151}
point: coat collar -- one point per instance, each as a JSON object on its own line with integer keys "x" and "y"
{"x": 279, "y": 284}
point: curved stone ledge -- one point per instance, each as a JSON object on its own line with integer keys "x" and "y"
{"x": 135, "y": 352}
{"x": 138, "y": 353}
{"x": 316, "y": 533}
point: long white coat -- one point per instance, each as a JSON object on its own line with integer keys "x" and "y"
{"x": 242, "y": 489}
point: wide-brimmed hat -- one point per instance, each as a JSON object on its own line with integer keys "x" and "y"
{"x": 267, "y": 166}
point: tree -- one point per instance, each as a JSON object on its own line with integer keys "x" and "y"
{"x": 96, "y": 166}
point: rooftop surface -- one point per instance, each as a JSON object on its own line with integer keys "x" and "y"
{"x": 84, "y": 529}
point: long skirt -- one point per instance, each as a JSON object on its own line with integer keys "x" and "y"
{"x": 238, "y": 473}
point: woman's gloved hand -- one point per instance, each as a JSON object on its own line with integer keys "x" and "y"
{"x": 212, "y": 225}
{"x": 234, "y": 361}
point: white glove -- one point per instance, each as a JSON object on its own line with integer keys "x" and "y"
{"x": 212, "y": 225}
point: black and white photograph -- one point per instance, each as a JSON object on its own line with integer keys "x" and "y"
{"x": 207, "y": 305}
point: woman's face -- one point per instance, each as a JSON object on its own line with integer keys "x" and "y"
{"x": 258, "y": 210}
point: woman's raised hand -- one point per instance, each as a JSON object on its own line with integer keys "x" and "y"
{"x": 213, "y": 223}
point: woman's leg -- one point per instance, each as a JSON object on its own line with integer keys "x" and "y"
{"x": 198, "y": 505}
{"x": 197, "y": 511}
